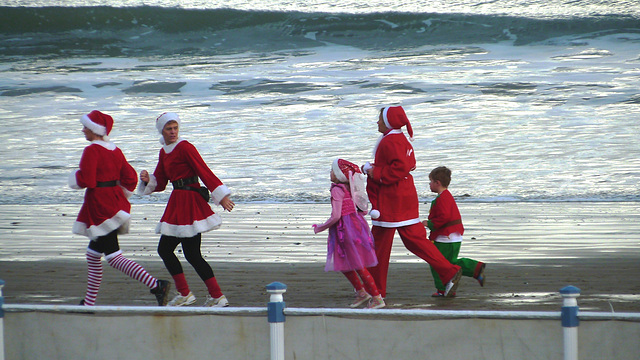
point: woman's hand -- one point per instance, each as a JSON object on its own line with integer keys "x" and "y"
{"x": 144, "y": 176}
{"x": 227, "y": 204}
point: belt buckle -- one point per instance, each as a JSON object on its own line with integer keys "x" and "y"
{"x": 179, "y": 183}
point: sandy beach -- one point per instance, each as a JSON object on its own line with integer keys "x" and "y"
{"x": 531, "y": 249}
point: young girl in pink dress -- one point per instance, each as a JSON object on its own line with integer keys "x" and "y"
{"x": 350, "y": 248}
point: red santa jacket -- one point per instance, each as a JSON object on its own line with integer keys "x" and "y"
{"x": 391, "y": 189}
{"x": 105, "y": 208}
{"x": 444, "y": 216}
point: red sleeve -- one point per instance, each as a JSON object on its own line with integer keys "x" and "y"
{"x": 128, "y": 175}
{"x": 86, "y": 177}
{"x": 196, "y": 162}
{"x": 159, "y": 173}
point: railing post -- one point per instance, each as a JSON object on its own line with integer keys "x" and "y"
{"x": 570, "y": 321}
{"x": 275, "y": 314}
{"x": 1, "y": 321}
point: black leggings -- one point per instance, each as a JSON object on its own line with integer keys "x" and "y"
{"x": 107, "y": 244}
{"x": 191, "y": 250}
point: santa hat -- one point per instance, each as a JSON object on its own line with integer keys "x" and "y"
{"x": 99, "y": 123}
{"x": 164, "y": 118}
{"x": 395, "y": 118}
{"x": 342, "y": 169}
{"x": 346, "y": 171}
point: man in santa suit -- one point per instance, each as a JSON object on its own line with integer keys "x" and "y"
{"x": 394, "y": 202}
{"x": 188, "y": 214}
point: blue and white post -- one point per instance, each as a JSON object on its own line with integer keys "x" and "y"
{"x": 275, "y": 314}
{"x": 1, "y": 321}
{"x": 570, "y": 321}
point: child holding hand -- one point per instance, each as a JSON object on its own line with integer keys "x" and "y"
{"x": 350, "y": 248}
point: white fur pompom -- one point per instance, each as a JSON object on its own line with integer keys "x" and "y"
{"x": 374, "y": 214}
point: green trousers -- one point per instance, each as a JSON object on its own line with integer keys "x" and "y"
{"x": 450, "y": 252}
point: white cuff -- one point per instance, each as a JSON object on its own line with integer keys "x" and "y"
{"x": 219, "y": 193}
{"x": 73, "y": 182}
{"x": 146, "y": 189}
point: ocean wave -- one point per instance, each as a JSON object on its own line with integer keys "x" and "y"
{"x": 146, "y": 30}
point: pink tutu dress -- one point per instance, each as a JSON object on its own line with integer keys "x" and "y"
{"x": 350, "y": 243}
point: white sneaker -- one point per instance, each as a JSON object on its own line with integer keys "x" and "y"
{"x": 361, "y": 297}
{"x": 452, "y": 285}
{"x": 219, "y": 302}
{"x": 180, "y": 300}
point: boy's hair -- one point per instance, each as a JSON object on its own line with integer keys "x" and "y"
{"x": 442, "y": 174}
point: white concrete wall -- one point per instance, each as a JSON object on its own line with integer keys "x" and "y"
{"x": 68, "y": 333}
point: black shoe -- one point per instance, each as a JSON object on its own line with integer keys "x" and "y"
{"x": 162, "y": 292}
{"x": 81, "y": 302}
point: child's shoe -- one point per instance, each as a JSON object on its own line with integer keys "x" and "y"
{"x": 180, "y": 300}
{"x": 361, "y": 297}
{"x": 480, "y": 273}
{"x": 452, "y": 285}
{"x": 440, "y": 293}
{"x": 376, "y": 302}
{"x": 216, "y": 302}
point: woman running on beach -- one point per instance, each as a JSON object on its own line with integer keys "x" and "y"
{"x": 350, "y": 247}
{"x": 188, "y": 213}
{"x": 105, "y": 213}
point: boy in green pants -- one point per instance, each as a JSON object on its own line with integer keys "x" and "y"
{"x": 445, "y": 225}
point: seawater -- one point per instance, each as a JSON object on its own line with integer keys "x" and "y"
{"x": 523, "y": 100}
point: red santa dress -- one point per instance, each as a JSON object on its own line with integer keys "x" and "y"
{"x": 105, "y": 208}
{"x": 187, "y": 213}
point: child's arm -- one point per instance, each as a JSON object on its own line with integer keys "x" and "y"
{"x": 337, "y": 195}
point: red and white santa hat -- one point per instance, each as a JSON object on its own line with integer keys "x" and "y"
{"x": 164, "y": 118}
{"x": 344, "y": 169}
{"x": 395, "y": 118}
{"x": 99, "y": 123}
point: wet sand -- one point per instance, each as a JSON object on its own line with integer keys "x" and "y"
{"x": 531, "y": 249}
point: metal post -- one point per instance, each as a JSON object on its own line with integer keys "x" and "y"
{"x": 570, "y": 321}
{"x": 1, "y": 321}
{"x": 275, "y": 314}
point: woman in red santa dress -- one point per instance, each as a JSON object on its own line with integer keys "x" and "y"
{"x": 394, "y": 202}
{"x": 188, "y": 213}
{"x": 105, "y": 213}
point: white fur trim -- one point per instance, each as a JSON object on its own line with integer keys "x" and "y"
{"x": 95, "y": 128}
{"x": 119, "y": 221}
{"x": 219, "y": 193}
{"x": 337, "y": 172}
{"x": 126, "y": 192}
{"x": 384, "y": 117}
{"x": 186, "y": 231}
{"x": 169, "y": 148}
{"x": 105, "y": 144}
{"x": 386, "y": 224}
{"x": 146, "y": 189}
{"x": 374, "y": 213}
{"x": 163, "y": 119}
{"x": 73, "y": 181}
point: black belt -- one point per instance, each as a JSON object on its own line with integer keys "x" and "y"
{"x": 182, "y": 183}
{"x": 107, "y": 183}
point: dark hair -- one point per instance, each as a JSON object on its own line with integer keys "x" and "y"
{"x": 442, "y": 174}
